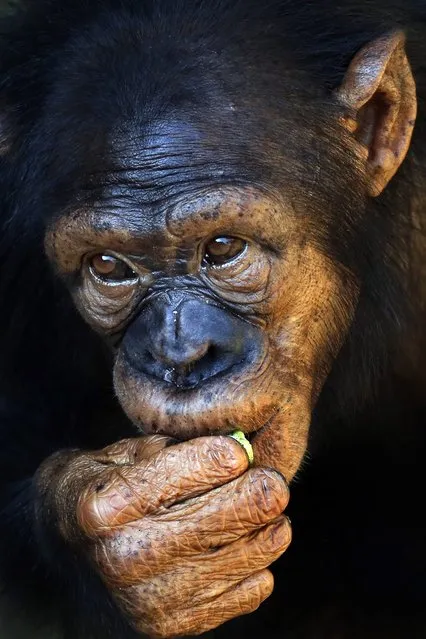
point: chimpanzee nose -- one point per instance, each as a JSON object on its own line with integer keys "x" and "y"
{"x": 184, "y": 340}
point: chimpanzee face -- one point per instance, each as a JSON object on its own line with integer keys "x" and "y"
{"x": 219, "y": 294}
{"x": 224, "y": 315}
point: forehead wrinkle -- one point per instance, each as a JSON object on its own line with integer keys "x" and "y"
{"x": 139, "y": 148}
{"x": 170, "y": 156}
{"x": 173, "y": 137}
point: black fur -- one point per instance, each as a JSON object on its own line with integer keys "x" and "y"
{"x": 357, "y": 567}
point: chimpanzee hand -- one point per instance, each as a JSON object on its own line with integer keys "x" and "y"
{"x": 182, "y": 535}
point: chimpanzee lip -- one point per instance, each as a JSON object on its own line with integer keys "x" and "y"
{"x": 252, "y": 434}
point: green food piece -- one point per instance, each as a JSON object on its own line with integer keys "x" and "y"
{"x": 239, "y": 436}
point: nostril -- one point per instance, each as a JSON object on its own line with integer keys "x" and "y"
{"x": 195, "y": 363}
{"x": 149, "y": 358}
{"x": 210, "y": 355}
{"x": 188, "y": 367}
{"x": 215, "y": 360}
{"x": 171, "y": 363}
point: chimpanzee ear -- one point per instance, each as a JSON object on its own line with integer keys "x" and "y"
{"x": 379, "y": 94}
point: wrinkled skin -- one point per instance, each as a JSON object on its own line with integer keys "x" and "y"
{"x": 188, "y": 525}
{"x": 295, "y": 302}
{"x": 183, "y": 537}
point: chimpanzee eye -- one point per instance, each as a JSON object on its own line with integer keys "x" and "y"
{"x": 110, "y": 268}
{"x": 223, "y": 249}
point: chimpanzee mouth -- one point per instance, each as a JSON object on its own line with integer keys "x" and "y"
{"x": 253, "y": 433}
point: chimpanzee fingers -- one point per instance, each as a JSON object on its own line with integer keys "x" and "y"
{"x": 250, "y": 554}
{"x": 212, "y": 574}
{"x": 177, "y": 536}
{"x": 241, "y": 599}
{"x": 128, "y": 560}
{"x": 128, "y": 452}
{"x": 130, "y": 493}
{"x": 226, "y": 513}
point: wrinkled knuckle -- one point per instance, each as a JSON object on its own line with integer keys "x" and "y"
{"x": 276, "y": 482}
{"x": 281, "y": 535}
{"x": 94, "y": 512}
{"x": 88, "y": 513}
{"x": 118, "y": 452}
{"x": 265, "y": 584}
{"x": 273, "y": 540}
{"x": 252, "y": 599}
{"x": 259, "y": 589}
{"x": 249, "y": 594}
{"x": 270, "y": 492}
{"x": 149, "y": 446}
{"x": 227, "y": 455}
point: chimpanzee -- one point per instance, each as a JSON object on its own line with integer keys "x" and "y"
{"x": 212, "y": 218}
